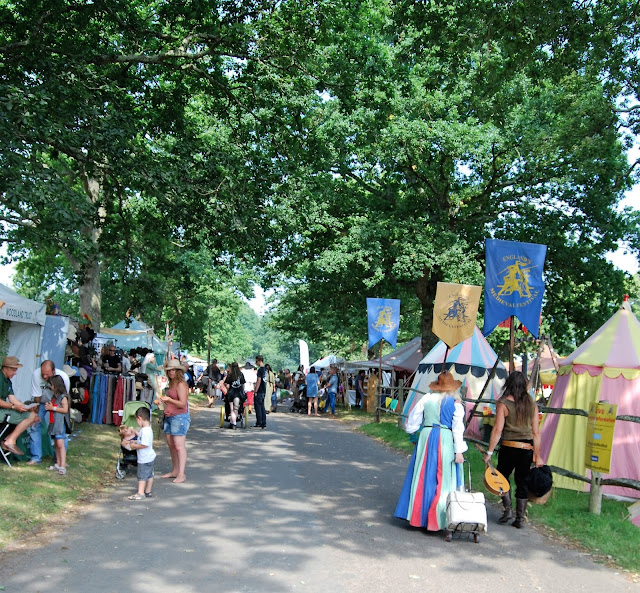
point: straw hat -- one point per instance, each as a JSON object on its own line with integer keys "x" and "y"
{"x": 11, "y": 362}
{"x": 174, "y": 364}
{"x": 445, "y": 382}
{"x": 67, "y": 370}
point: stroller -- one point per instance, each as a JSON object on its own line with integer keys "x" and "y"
{"x": 243, "y": 414}
{"x": 127, "y": 458}
{"x": 301, "y": 405}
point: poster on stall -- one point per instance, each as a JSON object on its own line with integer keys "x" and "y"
{"x": 601, "y": 423}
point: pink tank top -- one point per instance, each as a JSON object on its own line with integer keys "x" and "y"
{"x": 170, "y": 409}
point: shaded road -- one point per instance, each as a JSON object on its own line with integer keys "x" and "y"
{"x": 305, "y": 505}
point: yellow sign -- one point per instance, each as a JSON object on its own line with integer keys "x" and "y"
{"x": 600, "y": 426}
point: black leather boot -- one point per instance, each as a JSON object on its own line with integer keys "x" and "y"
{"x": 521, "y": 509}
{"x": 507, "y": 513}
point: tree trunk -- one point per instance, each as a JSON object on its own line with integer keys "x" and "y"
{"x": 91, "y": 293}
{"x": 426, "y": 291}
{"x": 89, "y": 270}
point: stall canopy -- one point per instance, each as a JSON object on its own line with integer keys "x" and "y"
{"x": 471, "y": 362}
{"x": 605, "y": 368}
{"x": 353, "y": 366}
{"x": 26, "y": 320}
{"x": 138, "y": 335}
{"x": 407, "y": 357}
{"x": 327, "y": 361}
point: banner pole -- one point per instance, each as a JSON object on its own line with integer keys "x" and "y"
{"x": 444, "y": 362}
{"x": 380, "y": 373}
{"x": 512, "y": 343}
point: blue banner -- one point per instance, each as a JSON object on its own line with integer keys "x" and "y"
{"x": 383, "y": 320}
{"x": 513, "y": 283}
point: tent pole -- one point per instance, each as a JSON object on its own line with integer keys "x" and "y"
{"x": 489, "y": 379}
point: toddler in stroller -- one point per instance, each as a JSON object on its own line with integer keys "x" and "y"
{"x": 126, "y": 457}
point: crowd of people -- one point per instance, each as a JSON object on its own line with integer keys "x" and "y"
{"x": 435, "y": 424}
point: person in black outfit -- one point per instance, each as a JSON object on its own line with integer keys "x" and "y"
{"x": 111, "y": 362}
{"x": 260, "y": 393}
{"x": 211, "y": 377}
{"x": 359, "y": 388}
{"x": 235, "y": 393}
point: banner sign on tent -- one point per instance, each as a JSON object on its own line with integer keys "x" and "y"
{"x": 601, "y": 423}
{"x": 455, "y": 311}
{"x": 513, "y": 283}
{"x": 383, "y": 320}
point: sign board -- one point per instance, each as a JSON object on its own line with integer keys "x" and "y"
{"x": 600, "y": 426}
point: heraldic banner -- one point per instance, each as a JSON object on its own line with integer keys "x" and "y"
{"x": 513, "y": 283}
{"x": 383, "y": 320}
{"x": 455, "y": 311}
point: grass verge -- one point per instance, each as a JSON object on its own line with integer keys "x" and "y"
{"x": 31, "y": 495}
{"x": 610, "y": 537}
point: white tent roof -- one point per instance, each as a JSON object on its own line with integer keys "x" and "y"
{"x": 14, "y": 307}
{"x": 26, "y": 325}
{"x": 327, "y": 361}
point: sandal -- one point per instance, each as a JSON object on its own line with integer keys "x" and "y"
{"x": 62, "y": 471}
{"x": 54, "y": 467}
{"x": 148, "y": 495}
{"x": 136, "y": 496}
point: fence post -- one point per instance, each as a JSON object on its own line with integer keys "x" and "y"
{"x": 595, "y": 494}
{"x": 400, "y": 407}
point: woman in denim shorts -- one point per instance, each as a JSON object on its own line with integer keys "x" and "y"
{"x": 176, "y": 419}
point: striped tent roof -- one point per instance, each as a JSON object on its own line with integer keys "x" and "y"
{"x": 474, "y": 352}
{"x": 616, "y": 345}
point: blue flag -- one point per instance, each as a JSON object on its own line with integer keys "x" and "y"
{"x": 513, "y": 283}
{"x": 383, "y": 320}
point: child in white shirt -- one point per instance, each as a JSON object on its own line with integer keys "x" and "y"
{"x": 146, "y": 455}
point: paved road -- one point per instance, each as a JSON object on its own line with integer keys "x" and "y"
{"x": 305, "y": 505}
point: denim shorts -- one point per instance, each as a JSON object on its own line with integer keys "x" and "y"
{"x": 178, "y": 425}
{"x": 145, "y": 471}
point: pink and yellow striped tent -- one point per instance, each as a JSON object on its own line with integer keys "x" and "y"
{"x": 605, "y": 368}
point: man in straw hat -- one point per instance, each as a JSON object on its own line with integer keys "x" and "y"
{"x": 19, "y": 414}
{"x": 436, "y": 425}
{"x": 41, "y": 393}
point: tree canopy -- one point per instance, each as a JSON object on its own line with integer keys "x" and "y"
{"x": 167, "y": 155}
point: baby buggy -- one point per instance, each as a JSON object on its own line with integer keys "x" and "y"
{"x": 128, "y": 458}
{"x": 243, "y": 414}
{"x": 300, "y": 406}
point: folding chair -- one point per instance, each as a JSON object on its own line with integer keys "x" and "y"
{"x": 4, "y": 428}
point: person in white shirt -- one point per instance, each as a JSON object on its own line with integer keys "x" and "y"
{"x": 41, "y": 393}
{"x": 436, "y": 425}
{"x": 146, "y": 454}
{"x": 250, "y": 378}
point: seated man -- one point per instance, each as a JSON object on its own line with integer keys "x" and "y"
{"x": 19, "y": 415}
